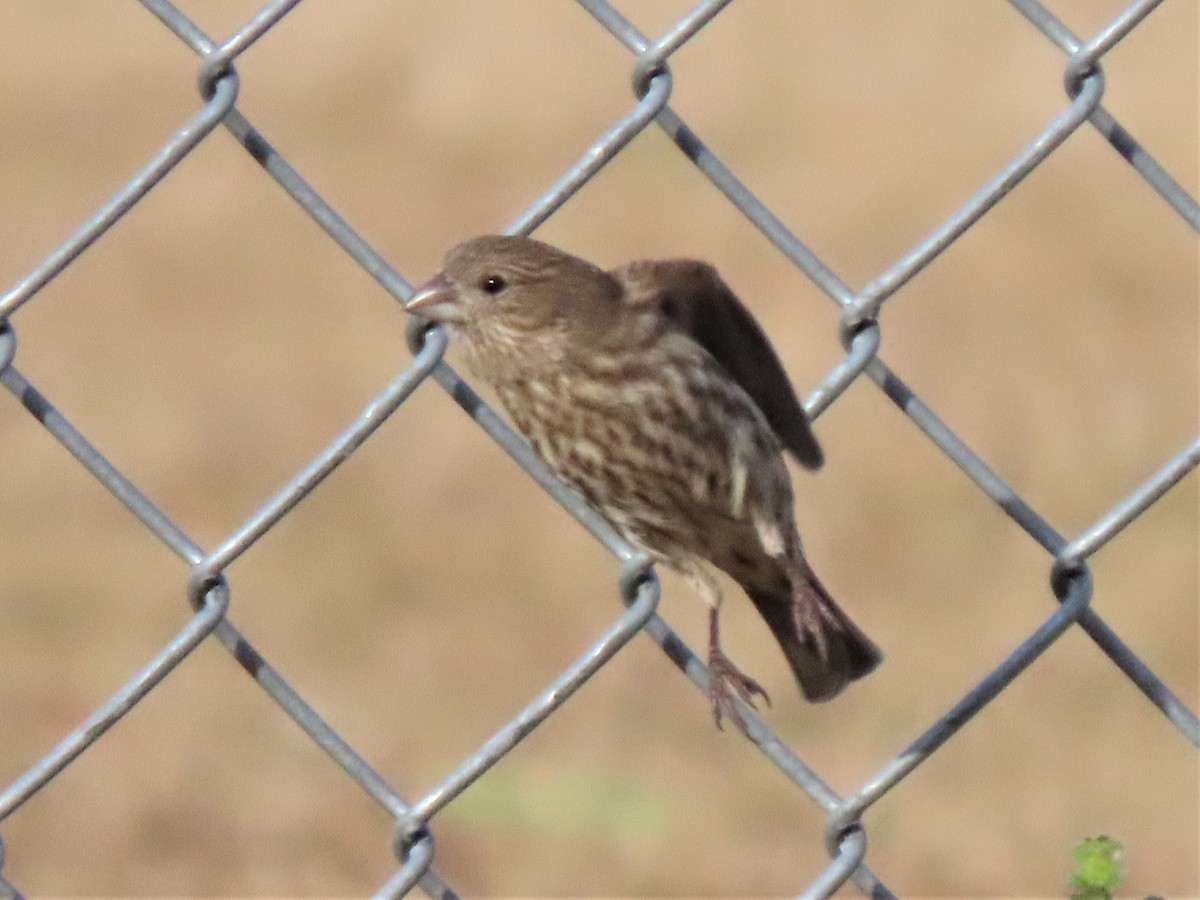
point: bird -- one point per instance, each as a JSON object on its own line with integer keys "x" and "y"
{"x": 653, "y": 392}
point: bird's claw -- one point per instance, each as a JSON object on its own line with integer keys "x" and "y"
{"x": 724, "y": 681}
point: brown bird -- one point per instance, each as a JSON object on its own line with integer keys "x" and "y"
{"x": 654, "y": 392}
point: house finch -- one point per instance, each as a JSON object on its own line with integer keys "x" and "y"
{"x": 653, "y": 392}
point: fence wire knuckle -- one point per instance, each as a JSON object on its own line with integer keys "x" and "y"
{"x": 860, "y": 326}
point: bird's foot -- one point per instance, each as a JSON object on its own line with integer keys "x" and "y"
{"x": 724, "y": 681}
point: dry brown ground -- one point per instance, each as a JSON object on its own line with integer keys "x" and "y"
{"x": 215, "y": 340}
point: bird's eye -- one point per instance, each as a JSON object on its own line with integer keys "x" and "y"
{"x": 493, "y": 284}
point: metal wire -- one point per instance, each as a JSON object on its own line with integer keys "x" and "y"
{"x": 209, "y": 595}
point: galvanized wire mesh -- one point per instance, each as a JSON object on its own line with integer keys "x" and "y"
{"x": 416, "y": 818}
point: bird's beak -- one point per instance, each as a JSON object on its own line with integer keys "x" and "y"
{"x": 436, "y": 299}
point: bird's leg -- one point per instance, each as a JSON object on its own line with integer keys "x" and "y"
{"x": 725, "y": 679}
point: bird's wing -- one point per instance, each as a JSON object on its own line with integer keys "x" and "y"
{"x": 692, "y": 295}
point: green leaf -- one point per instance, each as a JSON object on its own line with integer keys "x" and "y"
{"x": 1099, "y": 868}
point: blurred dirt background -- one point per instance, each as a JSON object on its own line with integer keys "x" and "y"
{"x": 215, "y": 340}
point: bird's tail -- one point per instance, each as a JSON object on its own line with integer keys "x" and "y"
{"x": 825, "y": 648}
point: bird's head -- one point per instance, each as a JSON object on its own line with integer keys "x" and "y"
{"x": 514, "y": 283}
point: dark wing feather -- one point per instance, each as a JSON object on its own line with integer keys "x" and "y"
{"x": 693, "y": 296}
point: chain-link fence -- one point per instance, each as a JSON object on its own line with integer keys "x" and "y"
{"x": 416, "y": 818}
